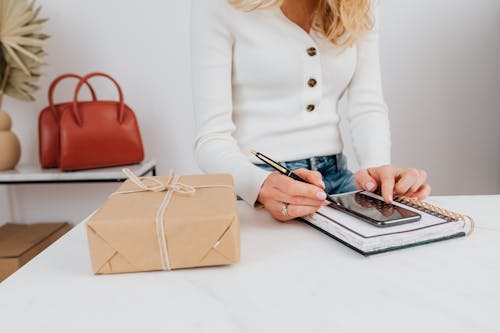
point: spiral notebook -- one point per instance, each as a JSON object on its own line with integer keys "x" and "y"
{"x": 436, "y": 224}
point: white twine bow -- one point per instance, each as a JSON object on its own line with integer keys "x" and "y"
{"x": 171, "y": 186}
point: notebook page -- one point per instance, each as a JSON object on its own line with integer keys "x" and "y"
{"x": 366, "y": 230}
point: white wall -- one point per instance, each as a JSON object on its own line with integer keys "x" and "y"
{"x": 440, "y": 73}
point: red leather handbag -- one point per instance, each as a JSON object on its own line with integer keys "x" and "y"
{"x": 48, "y": 124}
{"x": 94, "y": 134}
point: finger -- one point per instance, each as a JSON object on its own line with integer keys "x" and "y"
{"x": 386, "y": 176}
{"x": 276, "y": 210}
{"x": 313, "y": 177}
{"x": 365, "y": 181}
{"x": 298, "y": 211}
{"x": 423, "y": 192}
{"x": 293, "y": 187}
{"x": 293, "y": 211}
{"x": 422, "y": 177}
{"x": 406, "y": 179}
{"x": 277, "y": 195}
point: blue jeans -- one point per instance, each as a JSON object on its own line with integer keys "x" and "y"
{"x": 336, "y": 176}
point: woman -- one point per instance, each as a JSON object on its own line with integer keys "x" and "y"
{"x": 268, "y": 75}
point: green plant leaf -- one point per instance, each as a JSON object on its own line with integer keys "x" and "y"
{"x": 28, "y": 41}
{"x": 28, "y": 29}
{"x": 14, "y": 56}
{"x": 18, "y": 94}
{"x": 21, "y": 47}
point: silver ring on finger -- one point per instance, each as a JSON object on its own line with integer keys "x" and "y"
{"x": 284, "y": 209}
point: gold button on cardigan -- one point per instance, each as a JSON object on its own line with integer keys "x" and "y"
{"x": 311, "y": 82}
{"x": 312, "y": 51}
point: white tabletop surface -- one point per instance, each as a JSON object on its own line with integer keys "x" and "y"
{"x": 291, "y": 278}
{"x": 34, "y": 173}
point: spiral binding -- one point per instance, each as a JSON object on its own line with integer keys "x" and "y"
{"x": 434, "y": 210}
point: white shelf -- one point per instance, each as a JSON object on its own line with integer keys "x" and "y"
{"x": 31, "y": 174}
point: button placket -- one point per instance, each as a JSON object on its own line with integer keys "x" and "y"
{"x": 312, "y": 78}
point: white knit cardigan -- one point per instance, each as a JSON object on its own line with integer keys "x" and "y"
{"x": 261, "y": 82}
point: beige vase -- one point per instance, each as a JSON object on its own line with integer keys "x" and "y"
{"x": 10, "y": 148}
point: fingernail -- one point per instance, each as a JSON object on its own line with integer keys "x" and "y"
{"x": 369, "y": 186}
{"x": 322, "y": 184}
{"x": 390, "y": 198}
{"x": 321, "y": 195}
{"x": 326, "y": 203}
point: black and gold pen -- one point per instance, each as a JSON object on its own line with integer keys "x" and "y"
{"x": 278, "y": 167}
{"x": 287, "y": 172}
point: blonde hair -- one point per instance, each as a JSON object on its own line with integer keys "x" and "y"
{"x": 342, "y": 21}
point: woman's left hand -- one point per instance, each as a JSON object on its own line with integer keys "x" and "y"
{"x": 409, "y": 182}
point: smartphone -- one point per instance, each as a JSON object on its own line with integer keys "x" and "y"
{"x": 372, "y": 210}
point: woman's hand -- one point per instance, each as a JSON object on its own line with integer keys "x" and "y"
{"x": 299, "y": 198}
{"x": 409, "y": 182}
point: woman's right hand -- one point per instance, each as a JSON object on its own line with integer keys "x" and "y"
{"x": 300, "y": 198}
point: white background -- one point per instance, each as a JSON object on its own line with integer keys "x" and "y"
{"x": 440, "y": 69}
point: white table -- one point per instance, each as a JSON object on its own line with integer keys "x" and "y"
{"x": 291, "y": 278}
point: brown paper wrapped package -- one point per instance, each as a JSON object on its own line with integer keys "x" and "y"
{"x": 201, "y": 229}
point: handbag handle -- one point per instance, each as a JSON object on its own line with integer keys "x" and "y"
{"x": 83, "y": 81}
{"x": 54, "y": 84}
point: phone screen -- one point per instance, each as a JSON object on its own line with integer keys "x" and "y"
{"x": 376, "y": 210}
